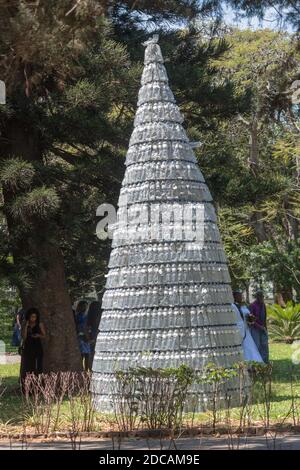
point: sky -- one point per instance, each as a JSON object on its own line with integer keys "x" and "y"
{"x": 230, "y": 18}
{"x": 269, "y": 21}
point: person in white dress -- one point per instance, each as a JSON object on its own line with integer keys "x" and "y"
{"x": 251, "y": 352}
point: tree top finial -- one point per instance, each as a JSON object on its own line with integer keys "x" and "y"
{"x": 153, "y": 40}
{"x": 152, "y": 50}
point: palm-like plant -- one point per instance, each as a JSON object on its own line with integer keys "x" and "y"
{"x": 284, "y": 323}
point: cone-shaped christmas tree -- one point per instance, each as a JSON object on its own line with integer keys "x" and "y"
{"x": 168, "y": 297}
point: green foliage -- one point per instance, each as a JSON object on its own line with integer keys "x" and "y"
{"x": 40, "y": 203}
{"x": 9, "y": 302}
{"x": 238, "y": 239}
{"x": 16, "y": 174}
{"x": 287, "y": 148}
{"x": 66, "y": 121}
{"x": 214, "y": 374}
{"x": 279, "y": 262}
{"x": 284, "y": 322}
{"x": 183, "y": 374}
{"x": 260, "y": 371}
{"x": 257, "y": 202}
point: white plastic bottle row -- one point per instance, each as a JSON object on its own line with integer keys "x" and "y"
{"x": 167, "y": 253}
{"x": 162, "y": 150}
{"x": 168, "y": 212}
{"x": 154, "y": 72}
{"x": 164, "y": 190}
{"x": 167, "y": 317}
{"x": 152, "y": 171}
{"x": 155, "y": 91}
{"x": 145, "y": 275}
{"x": 184, "y": 214}
{"x": 135, "y": 234}
{"x": 193, "y": 358}
{"x": 166, "y": 296}
{"x": 155, "y": 112}
{"x": 132, "y": 231}
{"x": 156, "y": 131}
{"x": 173, "y": 339}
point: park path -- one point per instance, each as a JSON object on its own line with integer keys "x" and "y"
{"x": 10, "y": 359}
{"x": 285, "y": 442}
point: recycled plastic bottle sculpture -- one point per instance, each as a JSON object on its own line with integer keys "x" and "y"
{"x": 168, "y": 298}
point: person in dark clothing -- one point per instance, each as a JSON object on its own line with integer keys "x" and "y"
{"x": 259, "y": 330}
{"x": 83, "y": 333}
{"x": 17, "y": 327}
{"x": 33, "y": 331}
{"x": 93, "y": 321}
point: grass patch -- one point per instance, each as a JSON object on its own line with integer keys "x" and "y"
{"x": 9, "y": 374}
{"x": 11, "y": 399}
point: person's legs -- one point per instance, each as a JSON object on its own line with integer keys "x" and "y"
{"x": 86, "y": 362}
{"x": 39, "y": 363}
{"x": 264, "y": 348}
{"x": 256, "y": 337}
{"x": 260, "y": 338}
{"x": 91, "y": 357}
{"x": 28, "y": 365}
{"x": 19, "y": 336}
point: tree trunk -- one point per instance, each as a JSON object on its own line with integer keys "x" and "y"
{"x": 48, "y": 291}
{"x": 297, "y": 161}
{"x": 278, "y": 299}
{"x": 256, "y": 220}
{"x": 253, "y": 147}
{"x": 259, "y": 226}
{"x": 287, "y": 294}
{"x": 247, "y": 290}
{"x": 49, "y": 294}
{"x": 291, "y": 223}
{"x": 283, "y": 295}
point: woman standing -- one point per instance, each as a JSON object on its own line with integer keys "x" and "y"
{"x": 243, "y": 317}
{"x": 33, "y": 331}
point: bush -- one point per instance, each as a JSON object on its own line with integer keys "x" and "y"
{"x": 284, "y": 323}
{"x": 155, "y": 397}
